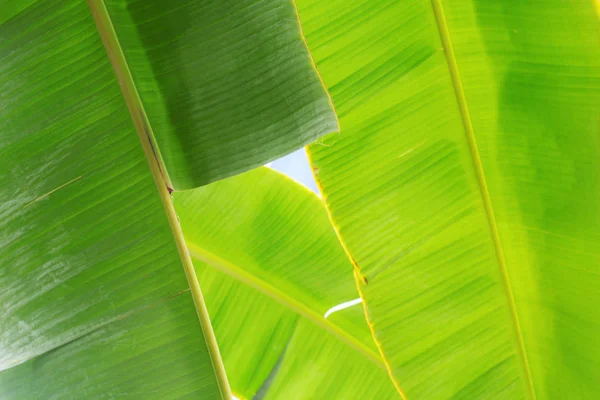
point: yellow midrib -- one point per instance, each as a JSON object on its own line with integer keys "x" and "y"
{"x": 487, "y": 201}
{"x": 138, "y": 115}
{"x": 290, "y": 302}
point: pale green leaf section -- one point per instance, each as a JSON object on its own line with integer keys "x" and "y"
{"x": 465, "y": 184}
{"x": 94, "y": 301}
{"x": 279, "y": 268}
{"x": 225, "y": 85}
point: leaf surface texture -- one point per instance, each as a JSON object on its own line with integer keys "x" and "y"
{"x": 464, "y": 183}
{"x": 280, "y": 268}
{"x": 94, "y": 302}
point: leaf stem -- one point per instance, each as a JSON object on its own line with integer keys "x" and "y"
{"x": 282, "y": 298}
{"x": 485, "y": 195}
{"x": 117, "y": 58}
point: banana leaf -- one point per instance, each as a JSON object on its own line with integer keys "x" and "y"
{"x": 464, "y": 184}
{"x": 272, "y": 271}
{"x": 98, "y": 297}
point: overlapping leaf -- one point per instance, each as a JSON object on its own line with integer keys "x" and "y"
{"x": 94, "y": 302}
{"x": 227, "y": 85}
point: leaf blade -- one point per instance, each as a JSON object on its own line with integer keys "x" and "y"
{"x": 226, "y": 86}
{"x": 94, "y": 300}
{"x": 282, "y": 270}
{"x": 400, "y": 185}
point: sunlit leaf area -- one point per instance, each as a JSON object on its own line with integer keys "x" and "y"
{"x": 299, "y": 199}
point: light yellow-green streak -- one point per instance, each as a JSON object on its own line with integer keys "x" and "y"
{"x": 264, "y": 287}
{"x": 136, "y": 110}
{"x": 487, "y": 202}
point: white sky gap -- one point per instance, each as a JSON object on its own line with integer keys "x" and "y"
{"x": 342, "y": 306}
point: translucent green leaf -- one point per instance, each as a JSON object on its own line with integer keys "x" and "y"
{"x": 465, "y": 183}
{"x": 271, "y": 267}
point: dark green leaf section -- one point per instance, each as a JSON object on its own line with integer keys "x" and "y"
{"x": 151, "y": 353}
{"x": 226, "y": 85}
{"x": 94, "y": 302}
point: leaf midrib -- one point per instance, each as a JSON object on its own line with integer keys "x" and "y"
{"x": 144, "y": 131}
{"x": 241, "y": 275}
{"x": 485, "y": 195}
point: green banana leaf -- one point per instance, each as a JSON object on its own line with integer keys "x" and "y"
{"x": 465, "y": 183}
{"x": 226, "y": 85}
{"x": 271, "y": 267}
{"x": 98, "y": 297}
